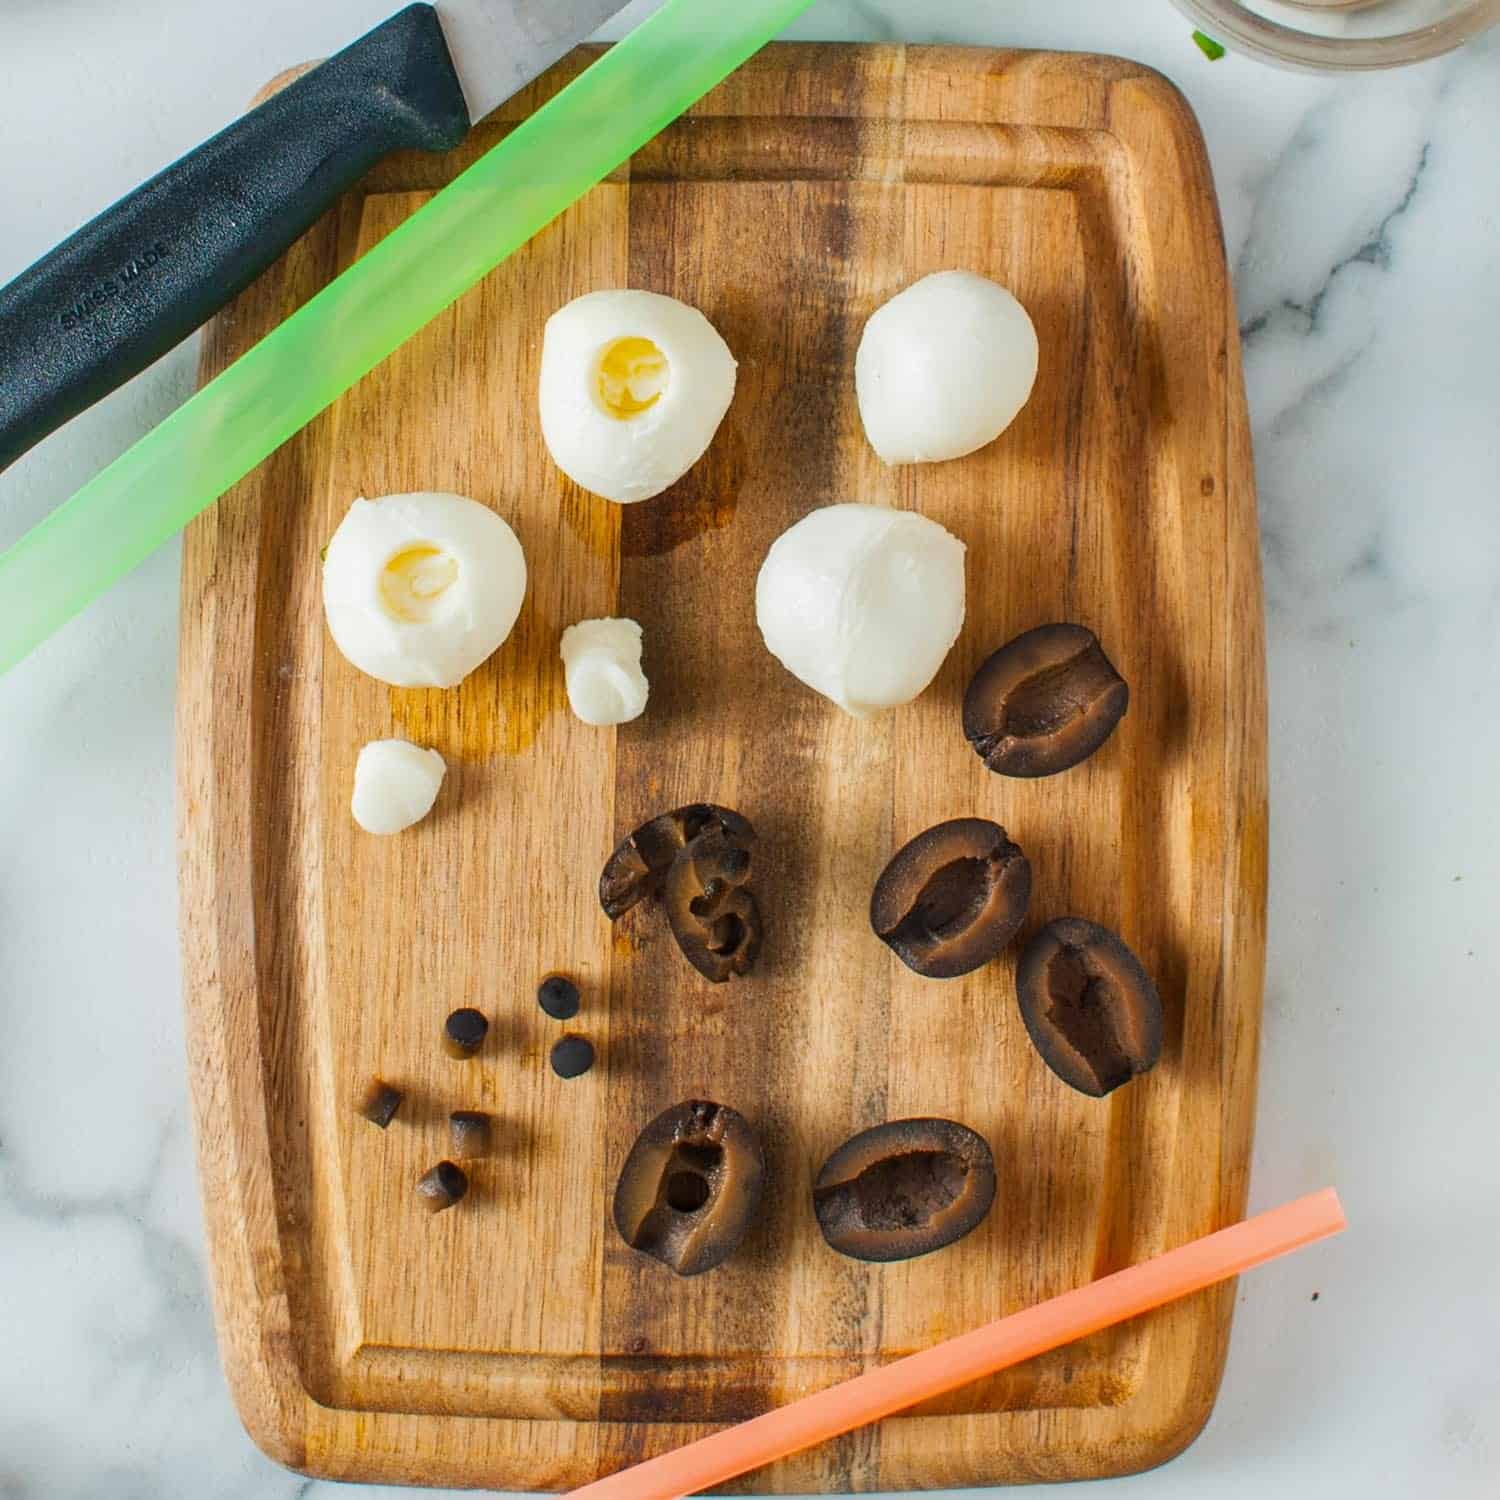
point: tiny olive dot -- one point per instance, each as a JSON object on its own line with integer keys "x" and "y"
{"x": 464, "y": 1032}
{"x": 558, "y": 996}
{"x": 572, "y": 1056}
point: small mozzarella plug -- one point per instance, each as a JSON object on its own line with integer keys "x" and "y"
{"x": 395, "y": 785}
{"x": 602, "y": 660}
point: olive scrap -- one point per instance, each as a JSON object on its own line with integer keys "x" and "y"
{"x": 1089, "y": 1006}
{"x": 442, "y": 1187}
{"x": 558, "y": 997}
{"x": 572, "y": 1056}
{"x": 690, "y": 1187}
{"x": 714, "y": 917}
{"x": 464, "y": 1032}
{"x": 904, "y": 1189}
{"x": 636, "y": 869}
{"x": 470, "y": 1132}
{"x": 951, "y": 899}
{"x": 380, "y": 1102}
{"x": 1044, "y": 702}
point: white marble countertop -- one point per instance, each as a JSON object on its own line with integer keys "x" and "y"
{"x": 1362, "y": 218}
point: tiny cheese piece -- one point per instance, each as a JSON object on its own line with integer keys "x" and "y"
{"x": 633, "y": 388}
{"x": 420, "y": 589}
{"x": 395, "y": 785}
{"x": 602, "y": 660}
{"x": 944, "y": 368}
{"x": 862, "y": 603}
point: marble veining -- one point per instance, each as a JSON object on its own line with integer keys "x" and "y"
{"x": 1362, "y": 217}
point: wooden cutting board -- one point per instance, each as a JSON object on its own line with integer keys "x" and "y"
{"x": 516, "y": 1342}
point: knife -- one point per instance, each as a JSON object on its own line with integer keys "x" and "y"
{"x": 137, "y": 280}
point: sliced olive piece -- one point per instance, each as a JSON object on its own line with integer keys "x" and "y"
{"x": 464, "y": 1032}
{"x": 558, "y": 997}
{"x": 1044, "y": 702}
{"x": 470, "y": 1133}
{"x": 1090, "y": 1008}
{"x": 635, "y": 870}
{"x": 690, "y": 1187}
{"x": 904, "y": 1189}
{"x": 380, "y": 1102}
{"x": 714, "y": 916}
{"x": 442, "y": 1187}
{"x": 952, "y": 898}
{"x": 572, "y": 1056}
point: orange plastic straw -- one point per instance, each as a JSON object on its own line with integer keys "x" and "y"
{"x": 946, "y": 1366}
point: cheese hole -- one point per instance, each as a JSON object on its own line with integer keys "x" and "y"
{"x": 414, "y": 582}
{"x": 633, "y": 374}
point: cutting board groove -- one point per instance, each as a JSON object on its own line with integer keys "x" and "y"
{"x": 515, "y": 1342}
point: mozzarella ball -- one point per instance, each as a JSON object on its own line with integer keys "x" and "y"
{"x": 395, "y": 785}
{"x": 633, "y": 388}
{"x": 862, "y": 603}
{"x": 943, "y": 368}
{"x": 420, "y": 589}
{"x": 602, "y": 659}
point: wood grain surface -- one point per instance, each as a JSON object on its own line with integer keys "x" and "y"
{"x": 516, "y": 1342}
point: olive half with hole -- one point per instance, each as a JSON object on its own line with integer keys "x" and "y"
{"x": 690, "y": 1187}
{"x": 714, "y": 915}
{"x": 1044, "y": 702}
{"x": 952, "y": 898}
{"x": 636, "y": 868}
{"x": 904, "y": 1189}
{"x": 1089, "y": 1006}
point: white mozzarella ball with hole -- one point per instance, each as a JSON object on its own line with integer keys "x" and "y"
{"x": 395, "y": 785}
{"x": 862, "y": 603}
{"x": 944, "y": 368}
{"x": 602, "y": 660}
{"x": 633, "y": 388}
{"x": 420, "y": 589}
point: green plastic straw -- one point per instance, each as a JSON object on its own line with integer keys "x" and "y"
{"x": 214, "y": 439}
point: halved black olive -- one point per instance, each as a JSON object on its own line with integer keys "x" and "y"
{"x": 952, "y": 898}
{"x": 1044, "y": 702}
{"x": 714, "y": 916}
{"x": 904, "y": 1189}
{"x": 1089, "y": 1006}
{"x": 635, "y": 870}
{"x": 690, "y": 1187}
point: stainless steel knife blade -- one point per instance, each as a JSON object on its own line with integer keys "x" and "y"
{"x": 499, "y": 46}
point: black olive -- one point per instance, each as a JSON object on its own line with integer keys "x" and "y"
{"x": 714, "y": 917}
{"x": 636, "y": 868}
{"x": 904, "y": 1189}
{"x": 464, "y": 1033}
{"x": 380, "y": 1102}
{"x": 952, "y": 898}
{"x": 1089, "y": 1006}
{"x": 442, "y": 1187}
{"x": 572, "y": 1056}
{"x": 1044, "y": 702}
{"x": 690, "y": 1187}
{"x": 558, "y": 997}
{"x": 470, "y": 1133}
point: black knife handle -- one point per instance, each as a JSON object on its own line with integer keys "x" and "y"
{"x": 142, "y": 276}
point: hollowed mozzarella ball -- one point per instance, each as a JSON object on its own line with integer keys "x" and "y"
{"x": 602, "y": 660}
{"x": 395, "y": 785}
{"x": 944, "y": 368}
{"x": 420, "y": 589}
{"x": 862, "y": 603}
{"x": 633, "y": 388}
